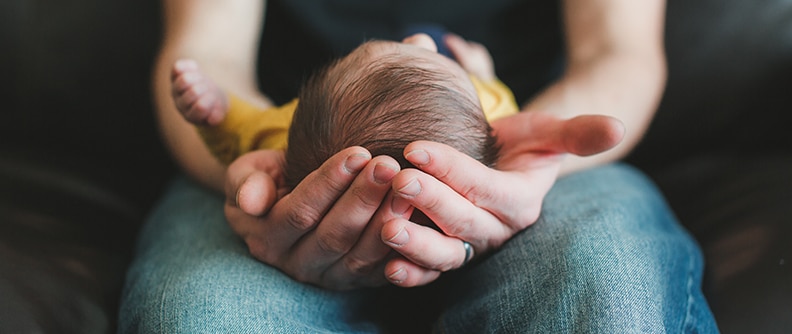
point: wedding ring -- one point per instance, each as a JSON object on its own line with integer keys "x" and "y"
{"x": 468, "y": 252}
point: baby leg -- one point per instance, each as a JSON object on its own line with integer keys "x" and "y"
{"x": 197, "y": 97}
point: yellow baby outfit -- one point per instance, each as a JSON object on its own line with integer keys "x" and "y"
{"x": 247, "y": 128}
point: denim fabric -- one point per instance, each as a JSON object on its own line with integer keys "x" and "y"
{"x": 607, "y": 256}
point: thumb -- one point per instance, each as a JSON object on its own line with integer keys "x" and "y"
{"x": 256, "y": 195}
{"x": 591, "y": 134}
{"x": 541, "y": 132}
{"x": 251, "y": 182}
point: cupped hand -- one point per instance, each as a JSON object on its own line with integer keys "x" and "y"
{"x": 479, "y": 205}
{"x": 320, "y": 231}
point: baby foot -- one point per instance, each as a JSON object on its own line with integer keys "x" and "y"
{"x": 197, "y": 97}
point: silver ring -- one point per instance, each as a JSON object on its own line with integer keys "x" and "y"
{"x": 468, "y": 252}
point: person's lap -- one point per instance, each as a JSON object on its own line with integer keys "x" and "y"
{"x": 192, "y": 274}
{"x": 605, "y": 255}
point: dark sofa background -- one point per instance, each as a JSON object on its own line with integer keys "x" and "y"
{"x": 721, "y": 141}
{"x": 78, "y": 141}
{"x": 76, "y": 75}
{"x": 80, "y": 158}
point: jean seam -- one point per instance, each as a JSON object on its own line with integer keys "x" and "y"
{"x": 690, "y": 299}
{"x": 162, "y": 304}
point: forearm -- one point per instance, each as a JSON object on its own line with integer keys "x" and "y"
{"x": 222, "y": 37}
{"x": 625, "y": 86}
{"x": 615, "y": 66}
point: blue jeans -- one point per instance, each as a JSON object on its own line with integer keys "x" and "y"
{"x": 606, "y": 256}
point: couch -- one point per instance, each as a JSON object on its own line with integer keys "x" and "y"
{"x": 74, "y": 188}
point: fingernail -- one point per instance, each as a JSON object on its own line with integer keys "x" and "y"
{"x": 411, "y": 189}
{"x": 354, "y": 163}
{"x": 384, "y": 173}
{"x": 398, "y": 276}
{"x": 236, "y": 198}
{"x": 400, "y": 206}
{"x": 401, "y": 238}
{"x": 418, "y": 157}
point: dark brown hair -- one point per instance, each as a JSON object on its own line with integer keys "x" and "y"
{"x": 382, "y": 106}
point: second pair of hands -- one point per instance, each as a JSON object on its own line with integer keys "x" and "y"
{"x": 347, "y": 225}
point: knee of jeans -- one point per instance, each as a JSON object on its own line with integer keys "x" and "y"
{"x": 635, "y": 272}
{"x": 159, "y": 300}
{"x": 187, "y": 297}
{"x": 194, "y": 298}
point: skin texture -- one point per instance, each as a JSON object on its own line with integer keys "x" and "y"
{"x": 334, "y": 228}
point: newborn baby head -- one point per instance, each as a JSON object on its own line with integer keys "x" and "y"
{"x": 383, "y": 96}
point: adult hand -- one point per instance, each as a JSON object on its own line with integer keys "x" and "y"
{"x": 319, "y": 232}
{"x": 482, "y": 206}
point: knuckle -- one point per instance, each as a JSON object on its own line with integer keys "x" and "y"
{"x": 365, "y": 198}
{"x": 441, "y": 171}
{"x": 331, "y": 244}
{"x": 472, "y": 194}
{"x": 531, "y": 217}
{"x": 302, "y": 218}
{"x": 260, "y": 251}
{"x": 358, "y": 266}
{"x": 431, "y": 204}
{"x": 303, "y": 276}
{"x": 524, "y": 218}
{"x": 531, "y": 213}
{"x": 325, "y": 176}
{"x": 458, "y": 227}
{"x": 447, "y": 265}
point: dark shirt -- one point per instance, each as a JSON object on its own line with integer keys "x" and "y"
{"x": 301, "y": 35}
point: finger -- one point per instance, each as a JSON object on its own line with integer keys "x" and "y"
{"x": 252, "y": 181}
{"x": 591, "y": 134}
{"x": 401, "y": 272}
{"x": 367, "y": 257}
{"x": 491, "y": 189}
{"x": 249, "y": 228}
{"x": 300, "y": 211}
{"x": 423, "y": 245}
{"x": 542, "y": 132}
{"x": 373, "y": 278}
{"x": 342, "y": 226}
{"x": 251, "y": 189}
{"x": 455, "y": 44}
{"x": 256, "y": 194}
{"x": 472, "y": 56}
{"x": 422, "y": 40}
{"x": 460, "y": 47}
{"x": 453, "y": 213}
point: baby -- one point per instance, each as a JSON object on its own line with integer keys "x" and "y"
{"x": 381, "y": 96}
